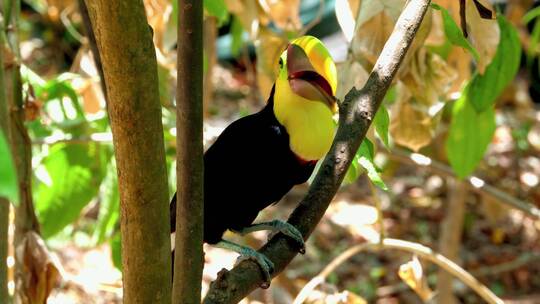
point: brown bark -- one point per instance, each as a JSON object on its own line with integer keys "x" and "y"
{"x": 356, "y": 114}
{"x": 188, "y": 260}
{"x": 4, "y": 203}
{"x": 450, "y": 239}
{"x": 127, "y": 53}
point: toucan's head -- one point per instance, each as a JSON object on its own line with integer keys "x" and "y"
{"x": 304, "y": 100}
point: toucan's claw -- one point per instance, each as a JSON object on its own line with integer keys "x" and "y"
{"x": 279, "y": 226}
{"x": 267, "y": 267}
{"x": 290, "y": 231}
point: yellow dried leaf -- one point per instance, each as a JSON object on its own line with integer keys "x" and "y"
{"x": 284, "y": 13}
{"x": 484, "y": 34}
{"x": 159, "y": 13}
{"x": 39, "y": 274}
{"x": 269, "y": 47}
{"x": 410, "y": 127}
{"x": 429, "y": 77}
{"x": 413, "y": 275}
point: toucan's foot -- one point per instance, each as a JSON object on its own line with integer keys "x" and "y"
{"x": 279, "y": 226}
{"x": 267, "y": 267}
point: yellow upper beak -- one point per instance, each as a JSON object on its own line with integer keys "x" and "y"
{"x": 311, "y": 72}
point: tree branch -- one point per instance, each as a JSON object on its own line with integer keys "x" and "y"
{"x": 473, "y": 183}
{"x": 422, "y": 251}
{"x": 126, "y": 50}
{"x": 188, "y": 256}
{"x": 356, "y": 114}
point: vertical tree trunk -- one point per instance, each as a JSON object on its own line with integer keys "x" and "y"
{"x": 4, "y": 203}
{"x": 127, "y": 53}
{"x": 189, "y": 213}
{"x": 450, "y": 240}
{"x": 25, "y": 217}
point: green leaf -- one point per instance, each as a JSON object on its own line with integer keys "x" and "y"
{"x": 109, "y": 211}
{"x": 454, "y": 33}
{"x": 352, "y": 173}
{"x": 381, "y": 122}
{"x": 531, "y": 15}
{"x": 218, "y": 9}
{"x": 74, "y": 175}
{"x": 469, "y": 136}
{"x": 8, "y": 180}
{"x": 484, "y": 89}
{"x": 116, "y": 251}
{"x": 366, "y": 154}
{"x": 237, "y": 32}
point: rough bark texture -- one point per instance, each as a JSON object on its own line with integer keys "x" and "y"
{"x": 450, "y": 239}
{"x": 25, "y": 217}
{"x": 125, "y": 46}
{"x": 188, "y": 260}
{"x": 4, "y": 203}
{"x": 356, "y": 114}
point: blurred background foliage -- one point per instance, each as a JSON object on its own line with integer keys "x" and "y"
{"x": 471, "y": 102}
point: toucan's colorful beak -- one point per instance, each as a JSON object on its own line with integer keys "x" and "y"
{"x": 304, "y": 79}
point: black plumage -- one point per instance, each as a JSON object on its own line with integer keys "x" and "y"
{"x": 249, "y": 167}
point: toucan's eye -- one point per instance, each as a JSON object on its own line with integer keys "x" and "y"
{"x": 280, "y": 63}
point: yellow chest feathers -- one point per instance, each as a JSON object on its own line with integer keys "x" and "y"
{"x": 309, "y": 123}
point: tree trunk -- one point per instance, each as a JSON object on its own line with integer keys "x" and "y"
{"x": 127, "y": 53}
{"x": 450, "y": 240}
{"x": 189, "y": 212}
{"x": 4, "y": 203}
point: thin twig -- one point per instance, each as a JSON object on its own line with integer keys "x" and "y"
{"x": 473, "y": 183}
{"x": 415, "y": 248}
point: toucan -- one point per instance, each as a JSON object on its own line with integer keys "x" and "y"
{"x": 257, "y": 159}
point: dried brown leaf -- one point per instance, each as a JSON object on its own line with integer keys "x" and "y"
{"x": 484, "y": 34}
{"x": 413, "y": 275}
{"x": 429, "y": 77}
{"x": 39, "y": 274}
{"x": 410, "y": 126}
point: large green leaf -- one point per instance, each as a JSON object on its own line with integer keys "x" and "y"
{"x": 109, "y": 211}
{"x": 454, "y": 33}
{"x": 8, "y": 177}
{"x": 469, "y": 136}
{"x": 484, "y": 89}
{"x": 74, "y": 175}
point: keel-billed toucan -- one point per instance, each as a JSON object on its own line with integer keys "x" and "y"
{"x": 259, "y": 158}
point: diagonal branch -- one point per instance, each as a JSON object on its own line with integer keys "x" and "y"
{"x": 356, "y": 114}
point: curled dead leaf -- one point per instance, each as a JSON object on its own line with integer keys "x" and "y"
{"x": 411, "y": 125}
{"x": 429, "y": 77}
{"x": 484, "y": 34}
{"x": 413, "y": 275}
{"x": 39, "y": 274}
